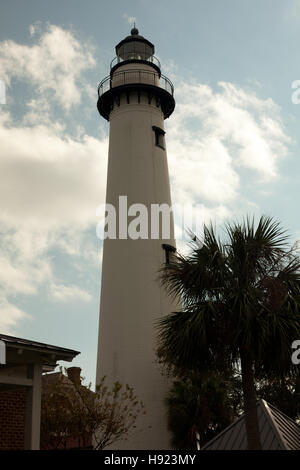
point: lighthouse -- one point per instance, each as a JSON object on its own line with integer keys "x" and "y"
{"x": 136, "y": 99}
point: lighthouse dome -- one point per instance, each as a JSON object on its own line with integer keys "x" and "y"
{"x": 134, "y": 47}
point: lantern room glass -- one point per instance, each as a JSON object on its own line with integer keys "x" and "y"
{"x": 135, "y": 50}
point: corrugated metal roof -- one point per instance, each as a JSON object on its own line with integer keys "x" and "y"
{"x": 277, "y": 432}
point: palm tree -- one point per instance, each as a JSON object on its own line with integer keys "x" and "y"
{"x": 198, "y": 406}
{"x": 240, "y": 307}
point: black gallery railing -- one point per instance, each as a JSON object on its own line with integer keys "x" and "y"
{"x": 135, "y": 76}
{"x": 135, "y": 56}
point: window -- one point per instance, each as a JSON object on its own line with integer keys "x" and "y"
{"x": 159, "y": 137}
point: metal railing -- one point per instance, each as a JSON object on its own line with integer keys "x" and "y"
{"x": 135, "y": 76}
{"x": 135, "y": 56}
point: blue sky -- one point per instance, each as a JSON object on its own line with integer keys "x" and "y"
{"x": 233, "y": 140}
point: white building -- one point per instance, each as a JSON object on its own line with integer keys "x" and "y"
{"x": 136, "y": 99}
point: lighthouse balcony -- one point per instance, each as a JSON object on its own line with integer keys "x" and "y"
{"x": 141, "y": 79}
{"x": 135, "y": 76}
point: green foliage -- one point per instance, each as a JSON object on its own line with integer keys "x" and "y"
{"x": 240, "y": 301}
{"x": 242, "y": 292}
{"x": 281, "y": 393}
{"x": 73, "y": 411}
{"x": 207, "y": 406}
{"x": 198, "y": 406}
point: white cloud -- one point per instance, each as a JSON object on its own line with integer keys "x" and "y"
{"x": 130, "y": 19}
{"x": 52, "y": 181}
{"x": 50, "y": 178}
{"x": 51, "y": 187}
{"x": 56, "y": 63}
{"x": 10, "y": 316}
{"x": 17, "y": 279}
{"x": 64, "y": 293}
{"x": 213, "y": 135}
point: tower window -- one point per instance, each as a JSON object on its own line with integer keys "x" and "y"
{"x": 159, "y": 137}
{"x": 168, "y": 249}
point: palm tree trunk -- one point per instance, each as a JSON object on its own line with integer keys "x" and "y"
{"x": 249, "y": 393}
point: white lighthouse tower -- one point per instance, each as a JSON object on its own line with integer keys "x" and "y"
{"x": 136, "y": 99}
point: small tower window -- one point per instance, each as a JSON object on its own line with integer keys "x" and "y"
{"x": 168, "y": 250}
{"x": 159, "y": 137}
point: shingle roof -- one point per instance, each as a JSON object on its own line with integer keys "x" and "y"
{"x": 277, "y": 432}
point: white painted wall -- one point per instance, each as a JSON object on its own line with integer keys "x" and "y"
{"x": 131, "y": 297}
{"x": 135, "y": 73}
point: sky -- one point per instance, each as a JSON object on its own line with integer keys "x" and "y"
{"x": 232, "y": 141}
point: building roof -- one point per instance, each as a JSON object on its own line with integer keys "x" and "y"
{"x": 133, "y": 38}
{"x": 58, "y": 352}
{"x": 277, "y": 432}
